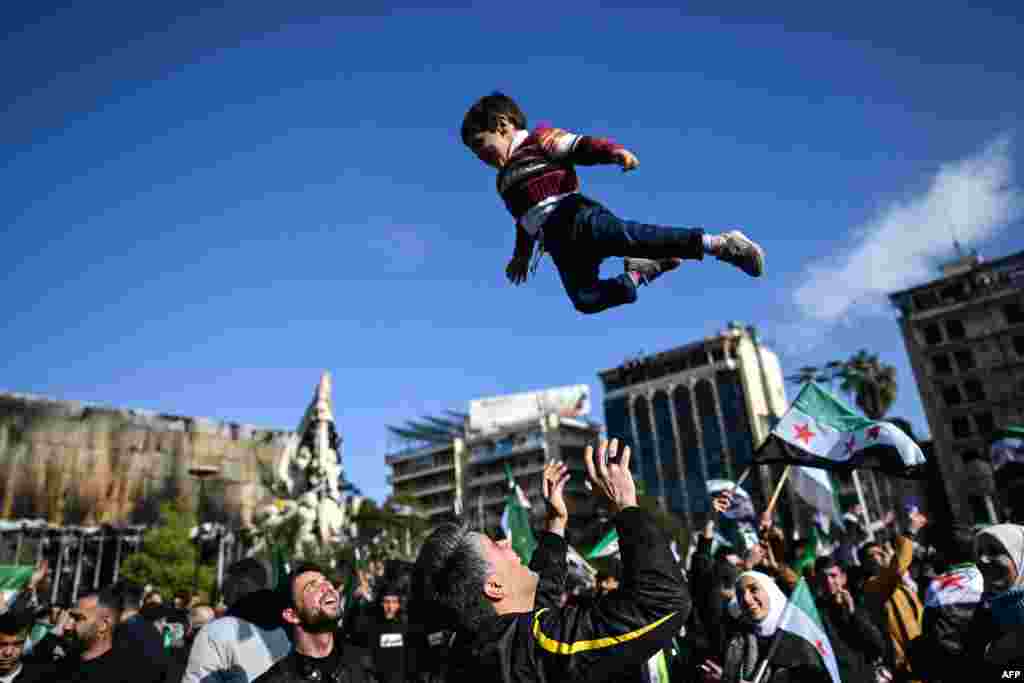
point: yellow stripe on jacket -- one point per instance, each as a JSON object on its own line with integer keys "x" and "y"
{"x": 560, "y": 648}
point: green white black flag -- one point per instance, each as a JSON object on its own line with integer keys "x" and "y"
{"x": 819, "y": 430}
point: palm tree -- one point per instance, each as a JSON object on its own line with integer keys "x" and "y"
{"x": 871, "y": 382}
{"x": 806, "y": 375}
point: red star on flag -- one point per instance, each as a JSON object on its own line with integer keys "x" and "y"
{"x": 821, "y": 648}
{"x": 850, "y": 444}
{"x": 874, "y": 432}
{"x": 950, "y": 581}
{"x": 804, "y": 433}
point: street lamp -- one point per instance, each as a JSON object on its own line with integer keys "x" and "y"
{"x": 202, "y": 473}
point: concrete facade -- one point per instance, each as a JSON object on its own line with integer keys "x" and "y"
{"x": 964, "y": 334}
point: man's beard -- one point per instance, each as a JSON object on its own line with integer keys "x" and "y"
{"x": 318, "y": 622}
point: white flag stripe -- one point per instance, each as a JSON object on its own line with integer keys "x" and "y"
{"x": 823, "y": 440}
{"x": 796, "y": 621}
{"x": 813, "y": 485}
{"x": 958, "y": 587}
{"x": 820, "y": 438}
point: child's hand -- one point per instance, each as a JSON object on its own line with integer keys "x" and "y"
{"x": 517, "y": 269}
{"x": 626, "y": 159}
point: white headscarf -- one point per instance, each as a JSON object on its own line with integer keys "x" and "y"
{"x": 1011, "y": 537}
{"x": 776, "y": 603}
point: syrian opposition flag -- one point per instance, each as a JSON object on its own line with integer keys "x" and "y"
{"x": 801, "y": 619}
{"x": 516, "y": 519}
{"x": 742, "y": 506}
{"x": 606, "y": 547}
{"x": 13, "y": 578}
{"x": 814, "y": 486}
{"x": 961, "y": 585}
{"x": 819, "y": 430}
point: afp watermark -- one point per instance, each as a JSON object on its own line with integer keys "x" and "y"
{"x": 1012, "y": 675}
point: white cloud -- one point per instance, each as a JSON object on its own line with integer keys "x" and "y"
{"x": 973, "y": 198}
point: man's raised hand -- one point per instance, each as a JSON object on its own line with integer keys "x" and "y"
{"x": 555, "y": 476}
{"x": 610, "y": 475}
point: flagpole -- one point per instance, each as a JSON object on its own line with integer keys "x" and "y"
{"x": 778, "y": 490}
{"x": 863, "y": 505}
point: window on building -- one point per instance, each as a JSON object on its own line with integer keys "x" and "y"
{"x": 734, "y": 415}
{"x": 695, "y": 474}
{"x": 932, "y": 334}
{"x": 718, "y": 355}
{"x": 955, "y": 329}
{"x": 954, "y": 293}
{"x": 951, "y": 395}
{"x": 925, "y": 300}
{"x": 645, "y": 447}
{"x": 961, "y": 427}
{"x": 1018, "y": 345}
{"x": 985, "y": 423}
{"x": 666, "y": 439}
{"x": 974, "y": 390}
{"x": 1014, "y": 313}
{"x": 964, "y": 359}
{"x": 714, "y": 452}
{"x": 941, "y": 364}
{"x": 616, "y": 416}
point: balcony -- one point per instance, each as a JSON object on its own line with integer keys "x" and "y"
{"x": 421, "y": 472}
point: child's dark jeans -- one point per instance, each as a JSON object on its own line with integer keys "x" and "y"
{"x": 581, "y": 233}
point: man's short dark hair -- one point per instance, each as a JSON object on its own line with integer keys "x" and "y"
{"x": 862, "y": 554}
{"x": 286, "y": 590}
{"x": 110, "y": 598}
{"x": 15, "y": 623}
{"x": 823, "y": 564}
{"x": 448, "y": 580}
{"x": 129, "y": 594}
{"x": 242, "y": 578}
{"x": 483, "y": 115}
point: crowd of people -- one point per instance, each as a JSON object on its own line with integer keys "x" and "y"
{"x": 901, "y": 601}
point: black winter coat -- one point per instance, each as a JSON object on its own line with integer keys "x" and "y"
{"x": 608, "y": 640}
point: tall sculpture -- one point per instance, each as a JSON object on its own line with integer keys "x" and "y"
{"x": 307, "y": 479}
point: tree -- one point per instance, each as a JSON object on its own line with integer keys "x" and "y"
{"x": 871, "y": 382}
{"x": 167, "y": 557}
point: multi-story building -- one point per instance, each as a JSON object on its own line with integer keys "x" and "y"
{"x": 464, "y": 470}
{"x": 964, "y": 333}
{"x": 695, "y": 413}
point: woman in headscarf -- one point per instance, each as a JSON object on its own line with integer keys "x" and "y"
{"x": 758, "y": 606}
{"x": 999, "y": 623}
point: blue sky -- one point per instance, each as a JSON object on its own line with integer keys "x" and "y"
{"x": 205, "y": 207}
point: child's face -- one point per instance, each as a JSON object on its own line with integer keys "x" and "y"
{"x": 491, "y": 147}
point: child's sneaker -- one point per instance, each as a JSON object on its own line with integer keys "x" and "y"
{"x": 649, "y": 269}
{"x": 741, "y": 252}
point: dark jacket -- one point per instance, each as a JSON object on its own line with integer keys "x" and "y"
{"x": 952, "y": 600}
{"x": 794, "y": 660}
{"x": 354, "y": 666}
{"x": 137, "y": 640}
{"x": 36, "y": 671}
{"x": 856, "y": 640}
{"x": 602, "y": 641}
{"x": 387, "y": 642}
